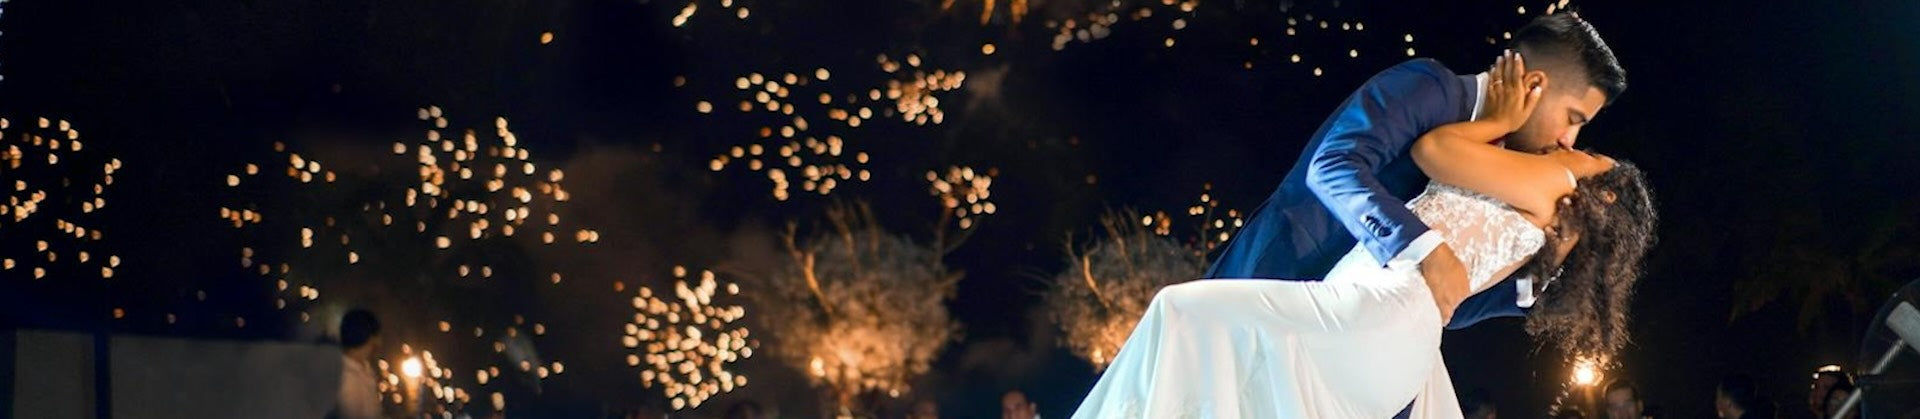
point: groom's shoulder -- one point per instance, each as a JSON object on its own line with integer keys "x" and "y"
{"x": 1423, "y": 75}
{"x": 1422, "y": 67}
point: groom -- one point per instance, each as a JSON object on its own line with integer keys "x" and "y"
{"x": 1352, "y": 181}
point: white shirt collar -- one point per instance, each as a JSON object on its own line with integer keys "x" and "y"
{"x": 1479, "y": 93}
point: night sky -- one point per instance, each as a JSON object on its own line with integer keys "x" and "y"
{"x": 1778, "y": 138}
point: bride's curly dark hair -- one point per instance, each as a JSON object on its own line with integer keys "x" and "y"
{"x": 1583, "y": 309}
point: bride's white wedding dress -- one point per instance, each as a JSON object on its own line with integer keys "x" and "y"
{"x": 1363, "y": 343}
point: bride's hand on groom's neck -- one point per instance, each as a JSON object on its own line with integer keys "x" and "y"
{"x": 1512, "y": 91}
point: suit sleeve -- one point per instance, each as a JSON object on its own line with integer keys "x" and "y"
{"x": 1373, "y": 127}
{"x": 1499, "y": 301}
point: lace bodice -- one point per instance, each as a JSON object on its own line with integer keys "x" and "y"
{"x": 1488, "y": 235}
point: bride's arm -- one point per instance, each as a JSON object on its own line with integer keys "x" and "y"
{"x": 1462, "y": 154}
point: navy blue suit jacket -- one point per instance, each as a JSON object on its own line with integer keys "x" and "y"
{"x": 1351, "y": 183}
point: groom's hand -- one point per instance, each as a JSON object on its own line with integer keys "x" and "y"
{"x": 1447, "y": 277}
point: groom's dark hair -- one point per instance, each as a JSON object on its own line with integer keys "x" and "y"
{"x": 1569, "y": 49}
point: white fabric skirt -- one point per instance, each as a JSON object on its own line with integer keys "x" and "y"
{"x": 1363, "y": 344}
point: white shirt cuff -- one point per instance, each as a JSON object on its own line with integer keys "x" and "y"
{"x": 1523, "y": 292}
{"x": 1409, "y": 258}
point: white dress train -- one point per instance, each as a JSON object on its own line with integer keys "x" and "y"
{"x": 1363, "y": 343}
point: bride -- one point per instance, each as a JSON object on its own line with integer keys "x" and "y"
{"x": 1365, "y": 342}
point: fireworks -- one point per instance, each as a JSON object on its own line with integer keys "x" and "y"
{"x": 686, "y": 342}
{"x": 687, "y": 12}
{"x": 1109, "y": 283}
{"x": 1098, "y": 23}
{"x": 1583, "y": 372}
{"x": 444, "y": 194}
{"x": 418, "y": 384}
{"x": 819, "y": 159}
{"x": 804, "y": 125}
{"x": 857, "y": 309}
{"x": 54, "y": 188}
{"x": 1216, "y": 227}
{"x": 963, "y": 194}
{"x": 425, "y": 230}
{"x": 1016, "y": 10}
{"x": 914, "y": 97}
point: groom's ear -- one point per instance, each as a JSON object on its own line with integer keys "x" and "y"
{"x": 1535, "y": 78}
